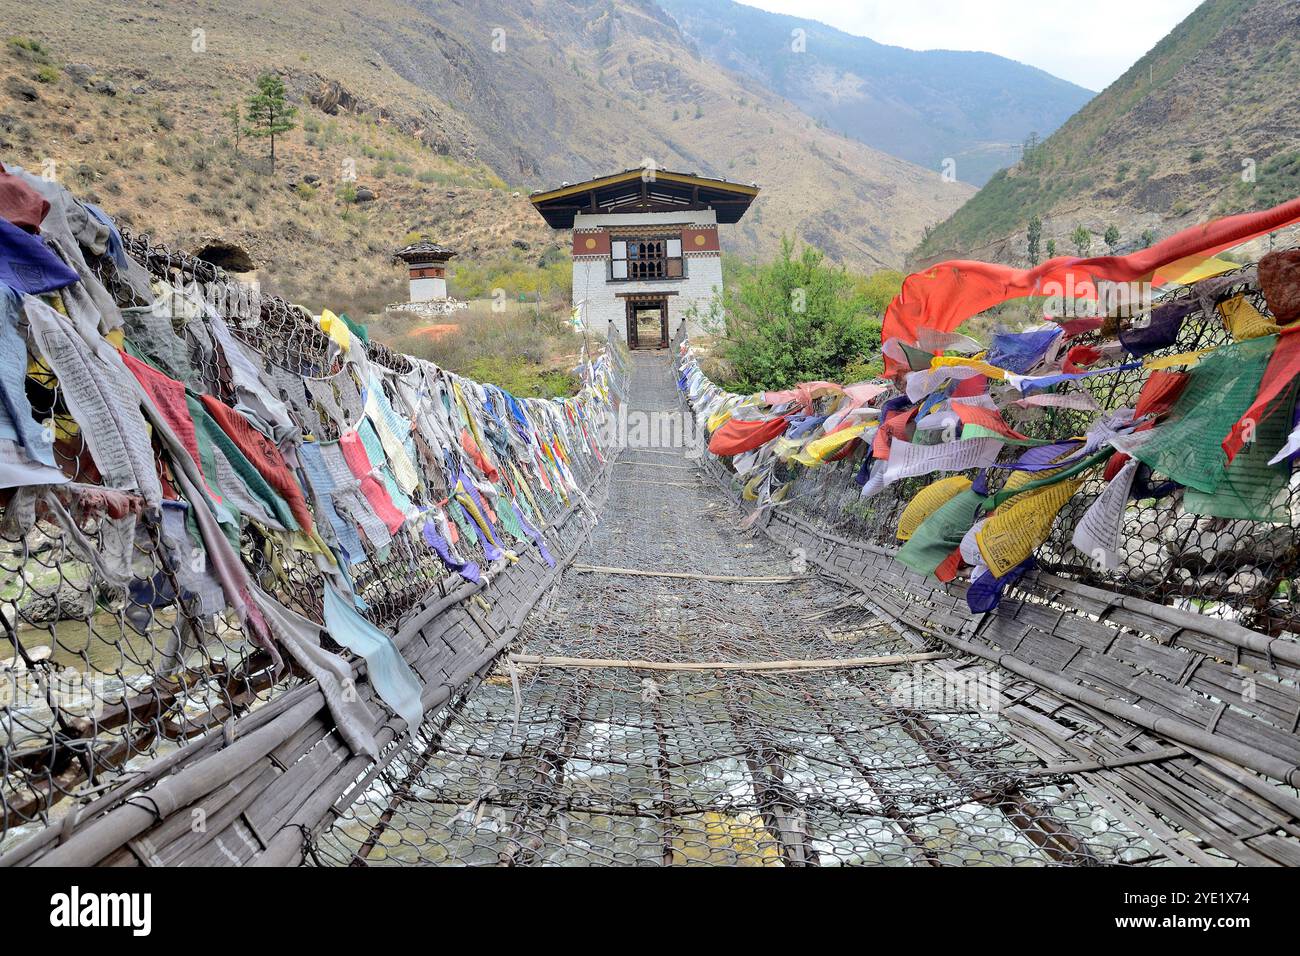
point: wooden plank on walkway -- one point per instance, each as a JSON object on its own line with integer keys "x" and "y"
{"x": 815, "y": 664}
{"x": 733, "y": 578}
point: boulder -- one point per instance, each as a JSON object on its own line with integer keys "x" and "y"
{"x": 65, "y": 604}
{"x": 79, "y": 73}
{"x": 21, "y": 90}
{"x": 365, "y": 194}
{"x": 333, "y": 97}
{"x": 1279, "y": 276}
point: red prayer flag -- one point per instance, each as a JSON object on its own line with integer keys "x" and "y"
{"x": 947, "y": 294}
{"x": 985, "y": 418}
{"x": 737, "y": 437}
{"x": 264, "y": 456}
{"x": 1280, "y": 372}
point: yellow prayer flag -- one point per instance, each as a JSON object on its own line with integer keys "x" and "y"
{"x": 718, "y": 419}
{"x": 929, "y": 500}
{"x": 336, "y": 329}
{"x": 1194, "y": 269}
{"x": 1169, "y": 361}
{"x": 984, "y": 368}
{"x": 1021, "y": 524}
{"x": 783, "y": 448}
{"x": 1244, "y": 321}
{"x": 819, "y": 449}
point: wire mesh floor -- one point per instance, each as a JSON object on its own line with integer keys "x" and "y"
{"x": 584, "y": 764}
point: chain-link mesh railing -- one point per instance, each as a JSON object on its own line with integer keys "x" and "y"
{"x": 115, "y": 651}
{"x": 1162, "y": 669}
{"x": 1243, "y": 570}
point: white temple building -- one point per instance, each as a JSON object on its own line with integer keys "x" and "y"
{"x": 645, "y": 248}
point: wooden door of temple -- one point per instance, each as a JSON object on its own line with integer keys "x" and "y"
{"x": 647, "y": 323}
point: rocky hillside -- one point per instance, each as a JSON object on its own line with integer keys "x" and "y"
{"x": 150, "y": 143}
{"x": 1203, "y": 125}
{"x": 925, "y": 106}
{"x": 449, "y": 113}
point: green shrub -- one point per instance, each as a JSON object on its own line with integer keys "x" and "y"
{"x": 879, "y": 288}
{"x": 862, "y": 368}
{"x": 795, "y": 319}
{"x": 516, "y": 278}
{"x": 1276, "y": 181}
{"x": 29, "y": 49}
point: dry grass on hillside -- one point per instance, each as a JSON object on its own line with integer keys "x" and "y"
{"x": 169, "y": 165}
{"x": 528, "y": 350}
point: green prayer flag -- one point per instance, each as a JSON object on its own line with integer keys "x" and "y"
{"x": 359, "y": 330}
{"x": 210, "y": 434}
{"x": 940, "y": 534}
{"x": 971, "y": 430}
{"x": 1188, "y": 447}
{"x": 917, "y": 358}
{"x": 1251, "y": 488}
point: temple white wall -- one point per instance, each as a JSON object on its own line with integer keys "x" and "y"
{"x": 599, "y": 297}
{"x": 427, "y": 289}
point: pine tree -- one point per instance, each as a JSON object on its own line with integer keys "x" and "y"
{"x": 1111, "y": 238}
{"x": 1051, "y": 248}
{"x": 236, "y": 117}
{"x": 1029, "y": 151}
{"x": 268, "y": 114}
{"x": 1033, "y": 237}
{"x": 1082, "y": 240}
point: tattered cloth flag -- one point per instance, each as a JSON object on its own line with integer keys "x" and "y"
{"x": 949, "y": 293}
{"x": 1161, "y": 328}
{"x": 1279, "y": 375}
{"x": 1188, "y": 447}
{"x": 985, "y": 591}
{"x": 1020, "y": 351}
{"x": 1020, "y": 525}
{"x": 929, "y": 500}
{"x": 736, "y": 437}
{"x": 1254, "y": 485}
{"x": 27, "y": 265}
{"x": 392, "y": 678}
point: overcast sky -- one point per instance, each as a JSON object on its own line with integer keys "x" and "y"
{"x": 1089, "y": 42}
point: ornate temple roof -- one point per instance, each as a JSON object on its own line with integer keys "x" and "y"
{"x": 424, "y": 249}
{"x": 639, "y": 190}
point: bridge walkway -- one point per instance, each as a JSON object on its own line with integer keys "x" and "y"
{"x": 634, "y": 749}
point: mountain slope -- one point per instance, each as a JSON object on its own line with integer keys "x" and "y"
{"x": 1175, "y": 140}
{"x": 923, "y": 106}
{"x": 534, "y": 91}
